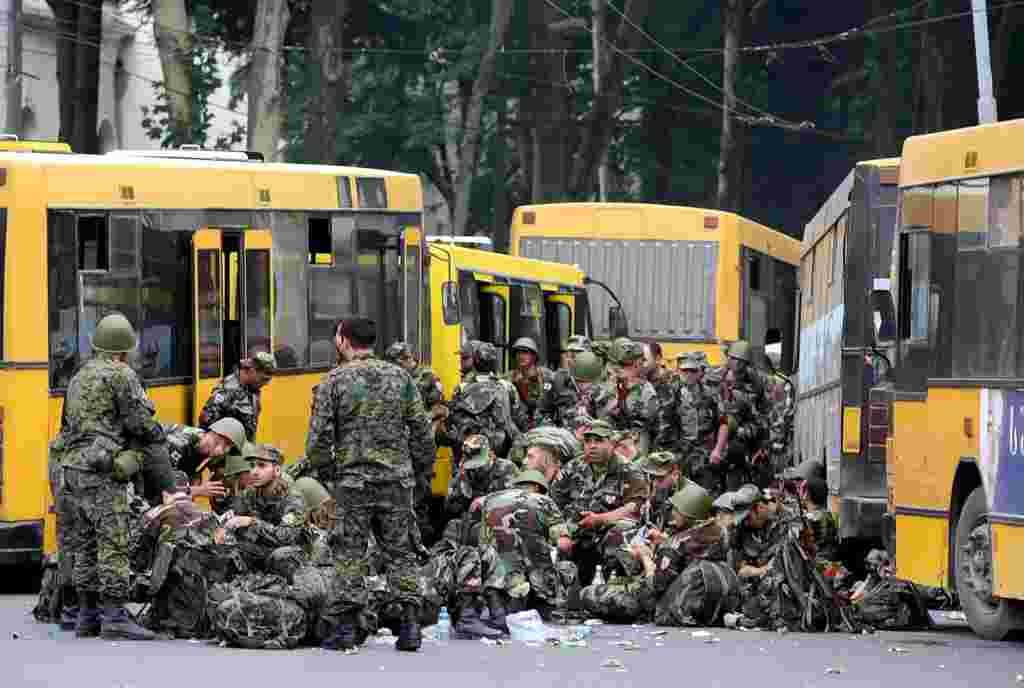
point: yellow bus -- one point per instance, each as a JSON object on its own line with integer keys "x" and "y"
{"x": 690, "y": 278}
{"x": 213, "y": 256}
{"x": 844, "y": 276}
{"x": 496, "y": 298}
{"x": 954, "y": 464}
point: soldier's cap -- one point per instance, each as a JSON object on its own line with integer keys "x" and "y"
{"x": 535, "y": 477}
{"x": 806, "y": 470}
{"x": 578, "y": 343}
{"x": 723, "y": 502}
{"x": 476, "y": 452}
{"x": 262, "y": 452}
{"x": 743, "y": 501}
{"x": 688, "y": 362}
{"x": 658, "y": 463}
{"x": 630, "y": 351}
{"x": 264, "y": 362}
{"x": 235, "y": 465}
{"x": 601, "y": 429}
{"x": 232, "y": 429}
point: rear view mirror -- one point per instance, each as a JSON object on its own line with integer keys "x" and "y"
{"x": 450, "y": 302}
{"x": 885, "y": 316}
{"x": 772, "y": 336}
{"x": 618, "y": 324}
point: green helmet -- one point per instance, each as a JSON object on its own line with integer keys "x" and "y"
{"x": 232, "y": 429}
{"x": 526, "y": 344}
{"x": 578, "y": 343}
{"x": 114, "y": 335}
{"x": 535, "y": 477}
{"x": 396, "y": 351}
{"x": 692, "y": 500}
{"x": 236, "y": 465}
{"x": 740, "y": 350}
{"x": 313, "y": 493}
{"x": 587, "y": 367}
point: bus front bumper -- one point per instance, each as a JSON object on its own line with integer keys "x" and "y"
{"x": 21, "y": 543}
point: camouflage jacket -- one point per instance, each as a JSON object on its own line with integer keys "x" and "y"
{"x": 183, "y": 448}
{"x": 632, "y": 408}
{"x": 569, "y": 404}
{"x": 462, "y": 490}
{"x": 486, "y": 406}
{"x": 279, "y": 512}
{"x": 690, "y": 420}
{"x": 826, "y": 534}
{"x": 780, "y": 425}
{"x": 599, "y": 488}
{"x": 532, "y": 387}
{"x": 369, "y": 425}
{"x": 429, "y": 386}
{"x": 656, "y": 509}
{"x": 665, "y": 382}
{"x": 232, "y": 399}
{"x": 105, "y": 407}
{"x": 747, "y": 409}
{"x": 704, "y": 541}
{"x": 757, "y": 547}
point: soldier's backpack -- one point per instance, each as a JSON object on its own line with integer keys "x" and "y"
{"x": 892, "y": 604}
{"x": 699, "y": 596}
{"x": 480, "y": 408}
{"x": 258, "y": 611}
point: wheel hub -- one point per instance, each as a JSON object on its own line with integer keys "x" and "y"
{"x": 976, "y": 562}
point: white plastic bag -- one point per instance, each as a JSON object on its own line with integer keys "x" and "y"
{"x": 527, "y": 627}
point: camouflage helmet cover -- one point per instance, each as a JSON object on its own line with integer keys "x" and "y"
{"x": 232, "y": 429}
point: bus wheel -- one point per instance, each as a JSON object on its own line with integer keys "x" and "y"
{"x": 989, "y": 617}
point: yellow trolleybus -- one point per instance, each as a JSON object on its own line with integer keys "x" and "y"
{"x": 954, "y": 455}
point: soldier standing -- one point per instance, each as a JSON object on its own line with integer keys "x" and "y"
{"x": 630, "y": 403}
{"x": 689, "y": 423}
{"x": 105, "y": 409}
{"x": 370, "y": 441}
{"x": 486, "y": 406}
{"x": 573, "y": 391}
{"x": 532, "y": 381}
{"x": 238, "y": 395}
{"x": 658, "y": 374}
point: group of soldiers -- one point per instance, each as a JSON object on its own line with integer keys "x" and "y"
{"x": 611, "y": 487}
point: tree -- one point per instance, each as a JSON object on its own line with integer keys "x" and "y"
{"x": 79, "y": 37}
{"x": 328, "y": 86}
{"x": 265, "y": 78}
{"x": 729, "y": 167}
{"x": 174, "y": 43}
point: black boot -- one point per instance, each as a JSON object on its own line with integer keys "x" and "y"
{"x": 498, "y": 611}
{"x": 68, "y": 608}
{"x": 343, "y": 638}
{"x": 470, "y": 626}
{"x": 118, "y": 624}
{"x": 88, "y": 623}
{"x": 409, "y": 631}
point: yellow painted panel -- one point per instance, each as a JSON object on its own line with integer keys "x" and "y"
{"x": 922, "y": 552}
{"x": 851, "y": 429}
{"x": 931, "y": 158}
{"x": 25, "y": 285}
{"x": 1008, "y": 560}
{"x": 25, "y": 480}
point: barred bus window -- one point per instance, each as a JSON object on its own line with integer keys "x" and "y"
{"x": 331, "y": 293}
{"x": 373, "y": 192}
{"x": 165, "y": 344}
{"x": 63, "y": 297}
{"x": 291, "y": 289}
{"x": 93, "y": 249}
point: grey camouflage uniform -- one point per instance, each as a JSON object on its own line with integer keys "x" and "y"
{"x": 231, "y": 399}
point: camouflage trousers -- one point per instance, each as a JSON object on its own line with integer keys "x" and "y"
{"x": 699, "y": 596}
{"x": 95, "y": 521}
{"x": 465, "y": 570}
{"x": 385, "y": 511}
{"x": 624, "y": 600}
{"x": 258, "y": 611}
{"x": 64, "y": 516}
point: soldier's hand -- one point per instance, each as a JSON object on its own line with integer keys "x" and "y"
{"x": 210, "y": 488}
{"x": 565, "y": 544}
{"x": 656, "y": 536}
{"x": 219, "y": 535}
{"x": 641, "y": 552}
{"x": 716, "y": 456}
{"x": 239, "y": 522}
{"x": 475, "y": 504}
{"x": 590, "y": 520}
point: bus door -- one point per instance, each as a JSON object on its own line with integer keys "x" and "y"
{"x": 379, "y": 288}
{"x": 415, "y": 317}
{"x": 559, "y": 317}
{"x": 232, "y": 304}
{"x": 493, "y": 301}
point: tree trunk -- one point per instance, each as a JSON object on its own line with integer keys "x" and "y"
{"x": 65, "y": 14}
{"x": 729, "y": 172}
{"x": 888, "y": 105}
{"x": 549, "y": 105}
{"x": 174, "y": 43}
{"x": 88, "y": 39}
{"x": 266, "y": 98}
{"x": 329, "y": 89}
{"x": 500, "y": 229}
{"x": 469, "y": 155}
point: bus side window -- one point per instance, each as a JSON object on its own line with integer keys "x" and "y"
{"x": 559, "y": 329}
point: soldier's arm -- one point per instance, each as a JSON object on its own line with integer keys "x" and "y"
{"x": 288, "y": 531}
{"x": 422, "y": 449}
{"x": 136, "y": 409}
{"x": 320, "y": 438}
{"x": 668, "y": 433}
{"x": 213, "y": 409}
{"x": 554, "y": 521}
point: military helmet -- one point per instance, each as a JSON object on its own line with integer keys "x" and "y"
{"x": 688, "y": 362}
{"x": 396, "y": 351}
{"x": 232, "y": 429}
{"x": 692, "y": 500}
{"x": 615, "y": 350}
{"x": 114, "y": 335}
{"x": 630, "y": 351}
{"x": 313, "y": 493}
{"x": 658, "y": 463}
{"x": 558, "y": 440}
{"x": 740, "y": 350}
{"x": 587, "y": 367}
{"x": 236, "y": 465}
{"x": 810, "y": 468}
{"x": 535, "y": 477}
{"x": 485, "y": 352}
{"x": 526, "y": 344}
{"x": 578, "y": 344}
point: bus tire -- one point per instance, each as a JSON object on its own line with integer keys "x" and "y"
{"x": 990, "y": 617}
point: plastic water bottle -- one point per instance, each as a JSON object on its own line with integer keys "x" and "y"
{"x": 599, "y": 576}
{"x": 444, "y": 625}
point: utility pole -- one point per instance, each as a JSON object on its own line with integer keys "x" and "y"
{"x": 986, "y": 100}
{"x": 12, "y": 83}
{"x": 599, "y": 15}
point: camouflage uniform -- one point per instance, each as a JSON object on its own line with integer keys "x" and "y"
{"x": 183, "y": 448}
{"x": 474, "y": 481}
{"x": 486, "y": 406}
{"x": 632, "y": 408}
{"x": 665, "y": 382}
{"x": 532, "y": 386}
{"x": 231, "y": 399}
{"x": 689, "y": 428}
{"x": 279, "y": 512}
{"x": 105, "y": 408}
{"x": 826, "y": 535}
{"x": 370, "y": 442}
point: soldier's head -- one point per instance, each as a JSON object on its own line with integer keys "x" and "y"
{"x": 115, "y": 337}
{"x": 587, "y": 368}
{"x": 723, "y": 510}
{"x": 598, "y": 442}
{"x": 399, "y": 353}
{"x": 814, "y": 493}
{"x": 794, "y": 477}
{"x": 690, "y": 504}
{"x": 266, "y": 463}
{"x": 631, "y": 358}
{"x": 257, "y": 370}
{"x": 320, "y": 506}
{"x": 485, "y": 357}
{"x": 576, "y": 344}
{"x": 751, "y": 509}
{"x": 548, "y": 447}
{"x": 661, "y": 468}
{"x": 691, "y": 368}
{"x": 534, "y": 481}
{"x": 653, "y": 357}
{"x": 739, "y": 356}
{"x": 353, "y": 336}
{"x": 477, "y": 457}
{"x": 225, "y": 435}
{"x": 526, "y": 352}
{"x": 467, "y": 356}
{"x": 237, "y": 472}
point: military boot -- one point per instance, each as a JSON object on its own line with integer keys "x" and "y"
{"x": 118, "y": 624}
{"x": 470, "y": 626}
{"x": 343, "y": 638}
{"x": 69, "y": 608}
{"x": 497, "y": 609}
{"x": 409, "y": 639}
{"x": 88, "y": 623}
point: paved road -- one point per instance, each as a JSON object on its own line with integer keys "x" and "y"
{"x": 44, "y": 656}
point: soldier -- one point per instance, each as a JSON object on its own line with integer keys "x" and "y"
{"x": 814, "y": 494}
{"x": 657, "y": 373}
{"x": 780, "y": 422}
{"x": 238, "y": 395}
{"x": 570, "y": 401}
{"x": 236, "y": 477}
{"x": 630, "y": 404}
{"x": 480, "y": 473}
{"x": 531, "y": 381}
{"x": 192, "y": 450}
{"x": 486, "y": 406}
{"x": 689, "y": 423}
{"x": 370, "y": 439}
{"x": 105, "y": 409}
{"x": 467, "y": 360}
{"x": 576, "y": 344}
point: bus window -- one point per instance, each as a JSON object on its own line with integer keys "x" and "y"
{"x": 165, "y": 343}
{"x": 257, "y": 301}
{"x": 63, "y": 298}
{"x": 93, "y": 250}
{"x": 527, "y": 315}
{"x": 290, "y": 234}
{"x": 411, "y": 295}
{"x": 331, "y": 292}
{"x": 210, "y": 323}
{"x": 469, "y": 307}
{"x": 559, "y": 329}
{"x": 3, "y": 247}
{"x": 492, "y": 324}
{"x": 373, "y": 192}
{"x": 379, "y": 280}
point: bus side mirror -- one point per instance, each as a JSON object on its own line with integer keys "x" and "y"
{"x": 618, "y": 324}
{"x": 772, "y": 336}
{"x": 450, "y": 302}
{"x": 885, "y": 316}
